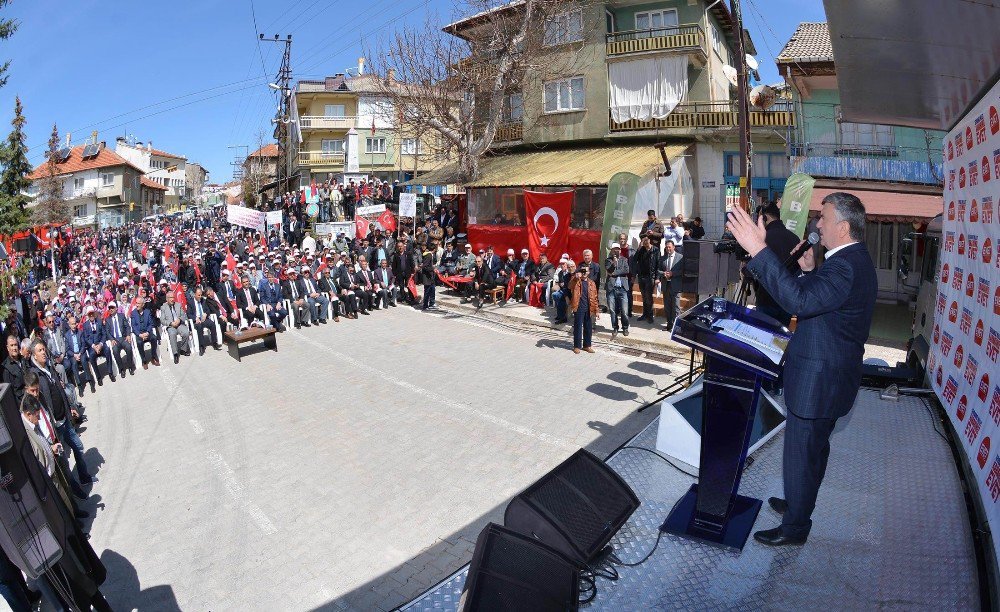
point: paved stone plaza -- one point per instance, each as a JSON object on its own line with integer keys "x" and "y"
{"x": 351, "y": 470}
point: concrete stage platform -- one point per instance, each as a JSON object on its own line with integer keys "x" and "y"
{"x": 890, "y": 531}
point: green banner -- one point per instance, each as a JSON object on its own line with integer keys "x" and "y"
{"x": 795, "y": 202}
{"x": 618, "y": 210}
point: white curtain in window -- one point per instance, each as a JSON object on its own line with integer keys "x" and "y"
{"x": 648, "y": 88}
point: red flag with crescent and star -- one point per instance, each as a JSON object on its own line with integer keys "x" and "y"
{"x": 548, "y": 216}
{"x": 387, "y": 220}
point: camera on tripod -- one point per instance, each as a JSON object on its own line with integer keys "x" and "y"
{"x": 728, "y": 244}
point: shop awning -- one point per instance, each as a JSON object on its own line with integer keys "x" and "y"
{"x": 890, "y": 206}
{"x": 592, "y": 166}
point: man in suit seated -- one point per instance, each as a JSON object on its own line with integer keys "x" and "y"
{"x": 670, "y": 282}
{"x": 271, "y": 300}
{"x": 94, "y": 337}
{"x": 385, "y": 284}
{"x": 292, "y": 291}
{"x": 118, "y": 333}
{"x": 482, "y": 281}
{"x": 834, "y": 305}
{"x": 143, "y": 326}
{"x": 317, "y": 301}
{"x": 174, "y": 320}
{"x": 343, "y": 280}
{"x": 197, "y": 312}
{"x": 523, "y": 269}
{"x": 76, "y": 353}
{"x": 326, "y": 286}
{"x": 364, "y": 288}
{"x": 248, "y": 301}
{"x": 449, "y": 260}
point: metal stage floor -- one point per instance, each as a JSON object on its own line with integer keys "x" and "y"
{"x": 890, "y": 530}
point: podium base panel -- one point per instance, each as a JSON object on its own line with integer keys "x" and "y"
{"x": 734, "y": 534}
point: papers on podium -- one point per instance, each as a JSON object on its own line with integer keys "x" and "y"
{"x": 764, "y": 341}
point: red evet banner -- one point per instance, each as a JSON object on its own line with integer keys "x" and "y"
{"x": 503, "y": 237}
{"x": 548, "y": 216}
{"x": 964, "y": 362}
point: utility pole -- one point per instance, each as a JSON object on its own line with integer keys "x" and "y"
{"x": 743, "y": 106}
{"x": 283, "y": 83}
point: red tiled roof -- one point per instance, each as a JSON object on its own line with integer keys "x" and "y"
{"x": 889, "y": 205}
{"x": 148, "y": 182}
{"x": 165, "y": 154}
{"x": 75, "y": 163}
{"x": 269, "y": 150}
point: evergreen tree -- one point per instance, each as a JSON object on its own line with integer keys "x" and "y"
{"x": 14, "y": 176}
{"x": 50, "y": 207}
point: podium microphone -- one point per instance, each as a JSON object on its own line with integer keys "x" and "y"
{"x": 802, "y": 248}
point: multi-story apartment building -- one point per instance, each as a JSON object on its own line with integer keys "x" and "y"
{"x": 896, "y": 171}
{"x": 102, "y": 188}
{"x": 167, "y": 169}
{"x": 614, "y": 78}
{"x": 342, "y": 109}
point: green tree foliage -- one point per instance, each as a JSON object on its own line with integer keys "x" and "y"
{"x": 51, "y": 207}
{"x": 14, "y": 170}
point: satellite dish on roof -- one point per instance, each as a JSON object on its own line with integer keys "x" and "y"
{"x": 752, "y": 62}
{"x": 763, "y": 97}
{"x": 730, "y": 73}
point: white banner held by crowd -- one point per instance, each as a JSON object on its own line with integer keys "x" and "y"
{"x": 374, "y": 209}
{"x": 407, "y": 205}
{"x": 245, "y": 217}
{"x": 964, "y": 356}
{"x": 274, "y": 218}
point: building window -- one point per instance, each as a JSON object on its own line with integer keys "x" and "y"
{"x": 333, "y": 110}
{"x": 331, "y": 147}
{"x": 655, "y": 22}
{"x": 107, "y": 179}
{"x": 513, "y": 107}
{"x": 718, "y": 42}
{"x": 77, "y": 184}
{"x": 375, "y": 145}
{"x": 80, "y": 211}
{"x": 564, "y": 28}
{"x": 865, "y": 135}
{"x": 564, "y": 95}
{"x": 409, "y": 146}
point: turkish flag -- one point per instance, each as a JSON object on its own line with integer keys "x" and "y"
{"x": 361, "y": 227}
{"x": 548, "y": 216}
{"x": 179, "y": 296}
{"x": 387, "y": 220}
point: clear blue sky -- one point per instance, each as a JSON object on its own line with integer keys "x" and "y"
{"x": 118, "y": 65}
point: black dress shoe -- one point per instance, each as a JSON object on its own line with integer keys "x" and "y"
{"x": 112, "y": 377}
{"x": 775, "y": 537}
{"x": 100, "y": 383}
{"x": 201, "y": 350}
{"x": 777, "y": 504}
{"x": 177, "y": 358}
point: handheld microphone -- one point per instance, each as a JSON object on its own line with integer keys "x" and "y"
{"x": 811, "y": 240}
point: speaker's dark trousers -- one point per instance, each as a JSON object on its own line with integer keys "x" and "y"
{"x": 807, "y": 448}
{"x": 646, "y": 289}
{"x": 671, "y": 304}
{"x": 583, "y": 327}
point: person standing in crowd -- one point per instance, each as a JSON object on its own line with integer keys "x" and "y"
{"x": 617, "y": 269}
{"x": 653, "y": 229}
{"x": 583, "y": 306}
{"x": 782, "y": 241}
{"x": 590, "y": 266}
{"x": 13, "y": 373}
{"x": 834, "y": 304}
{"x": 428, "y": 278}
{"x": 646, "y": 263}
{"x": 675, "y": 233}
{"x": 670, "y": 282}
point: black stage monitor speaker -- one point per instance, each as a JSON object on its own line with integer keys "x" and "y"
{"x": 511, "y": 572}
{"x": 576, "y": 508}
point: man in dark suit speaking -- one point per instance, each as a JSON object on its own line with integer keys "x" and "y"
{"x": 834, "y": 305}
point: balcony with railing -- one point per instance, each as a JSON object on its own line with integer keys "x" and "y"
{"x": 691, "y": 115}
{"x": 320, "y": 122}
{"x": 868, "y": 162}
{"x": 320, "y": 158}
{"x": 684, "y": 38}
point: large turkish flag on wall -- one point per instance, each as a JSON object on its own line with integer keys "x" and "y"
{"x": 548, "y": 217}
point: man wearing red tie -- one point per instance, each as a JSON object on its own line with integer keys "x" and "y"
{"x": 366, "y": 288}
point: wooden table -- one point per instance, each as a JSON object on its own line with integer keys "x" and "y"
{"x": 234, "y": 339}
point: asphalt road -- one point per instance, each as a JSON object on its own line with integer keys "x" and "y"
{"x": 351, "y": 470}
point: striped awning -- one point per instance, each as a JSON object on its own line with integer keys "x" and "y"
{"x": 889, "y": 206}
